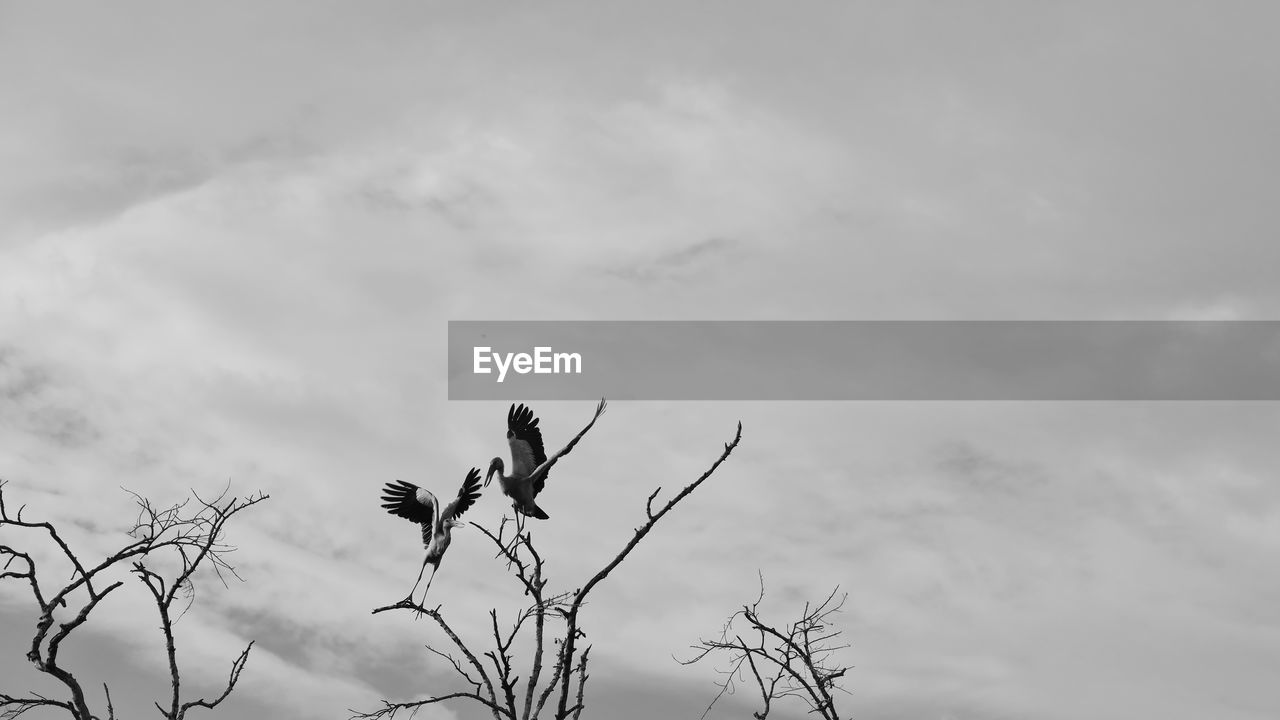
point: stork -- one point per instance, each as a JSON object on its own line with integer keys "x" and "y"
{"x": 418, "y": 504}
{"x": 529, "y": 461}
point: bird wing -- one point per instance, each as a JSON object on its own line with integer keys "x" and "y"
{"x": 540, "y": 474}
{"x": 410, "y": 502}
{"x": 467, "y": 496}
{"x": 525, "y": 440}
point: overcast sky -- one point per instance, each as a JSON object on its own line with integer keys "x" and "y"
{"x": 231, "y": 238}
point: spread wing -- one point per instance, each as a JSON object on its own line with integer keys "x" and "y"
{"x": 467, "y": 496}
{"x": 540, "y": 475}
{"x": 410, "y": 502}
{"x": 525, "y": 440}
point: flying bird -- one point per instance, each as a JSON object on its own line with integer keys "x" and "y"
{"x": 418, "y": 505}
{"x": 529, "y": 461}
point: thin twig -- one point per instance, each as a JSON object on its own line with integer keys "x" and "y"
{"x": 193, "y": 536}
{"x": 567, "y": 649}
{"x": 494, "y": 682}
{"x": 800, "y": 654}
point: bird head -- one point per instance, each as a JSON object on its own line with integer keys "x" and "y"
{"x": 495, "y": 466}
{"x": 455, "y": 523}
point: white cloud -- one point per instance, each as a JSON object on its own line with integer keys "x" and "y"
{"x": 240, "y": 242}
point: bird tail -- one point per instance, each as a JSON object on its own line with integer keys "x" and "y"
{"x": 537, "y": 512}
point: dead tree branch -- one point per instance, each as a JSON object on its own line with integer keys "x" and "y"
{"x": 497, "y": 687}
{"x": 193, "y": 536}
{"x": 554, "y": 619}
{"x": 791, "y": 660}
{"x": 572, "y": 632}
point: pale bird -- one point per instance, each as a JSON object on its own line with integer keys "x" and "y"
{"x": 529, "y": 461}
{"x": 418, "y": 504}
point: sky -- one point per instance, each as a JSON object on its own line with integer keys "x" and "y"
{"x": 231, "y": 237}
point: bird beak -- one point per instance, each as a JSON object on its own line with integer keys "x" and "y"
{"x": 489, "y": 476}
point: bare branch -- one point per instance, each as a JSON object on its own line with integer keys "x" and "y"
{"x": 567, "y": 648}
{"x": 12, "y": 707}
{"x": 648, "y": 504}
{"x": 491, "y": 670}
{"x": 389, "y": 709}
{"x": 456, "y": 666}
{"x": 193, "y": 537}
{"x": 582, "y": 683}
{"x": 236, "y": 668}
{"x": 553, "y": 683}
{"x": 799, "y": 655}
{"x": 502, "y": 662}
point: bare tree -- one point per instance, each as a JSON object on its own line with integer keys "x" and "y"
{"x": 491, "y": 676}
{"x": 794, "y": 660}
{"x": 168, "y": 545}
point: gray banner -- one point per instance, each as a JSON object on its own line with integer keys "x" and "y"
{"x": 864, "y": 360}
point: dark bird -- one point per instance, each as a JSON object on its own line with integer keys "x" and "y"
{"x": 529, "y": 461}
{"x": 417, "y": 504}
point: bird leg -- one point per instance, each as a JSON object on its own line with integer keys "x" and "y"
{"x": 418, "y": 582}
{"x": 409, "y": 600}
{"x": 434, "y": 568}
{"x": 428, "y": 587}
{"x": 421, "y": 572}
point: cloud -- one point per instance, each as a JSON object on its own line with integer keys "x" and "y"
{"x": 1220, "y": 309}
{"x": 683, "y": 262}
{"x": 237, "y": 237}
{"x": 30, "y": 402}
